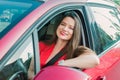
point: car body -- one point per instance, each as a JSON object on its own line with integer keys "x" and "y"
{"x": 24, "y": 23}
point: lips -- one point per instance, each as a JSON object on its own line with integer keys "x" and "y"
{"x": 63, "y": 33}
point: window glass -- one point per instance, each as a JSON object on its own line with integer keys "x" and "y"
{"x": 108, "y": 23}
{"x": 19, "y": 62}
{"x": 11, "y": 12}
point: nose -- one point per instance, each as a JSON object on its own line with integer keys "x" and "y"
{"x": 65, "y": 28}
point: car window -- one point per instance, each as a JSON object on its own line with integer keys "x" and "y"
{"x": 48, "y": 30}
{"x": 12, "y": 12}
{"x": 19, "y": 63}
{"x": 108, "y": 22}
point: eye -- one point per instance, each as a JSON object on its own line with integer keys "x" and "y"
{"x": 72, "y": 28}
{"x": 63, "y": 24}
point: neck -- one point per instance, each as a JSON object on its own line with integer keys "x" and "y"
{"x": 61, "y": 44}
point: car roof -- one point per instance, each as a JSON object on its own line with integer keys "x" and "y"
{"x": 13, "y": 35}
{"x": 103, "y": 2}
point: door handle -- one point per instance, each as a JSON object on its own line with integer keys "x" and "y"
{"x": 101, "y": 78}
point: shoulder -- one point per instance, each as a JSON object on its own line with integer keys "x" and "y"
{"x": 42, "y": 45}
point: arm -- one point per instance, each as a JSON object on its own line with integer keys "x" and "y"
{"x": 31, "y": 70}
{"x": 83, "y": 61}
{"x": 83, "y": 58}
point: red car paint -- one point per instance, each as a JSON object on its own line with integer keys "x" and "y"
{"x": 109, "y": 59}
{"x": 106, "y": 70}
{"x": 60, "y": 73}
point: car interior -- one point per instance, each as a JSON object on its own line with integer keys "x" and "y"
{"x": 15, "y": 71}
{"x": 18, "y": 69}
{"x": 48, "y": 30}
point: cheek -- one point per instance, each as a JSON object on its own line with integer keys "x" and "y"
{"x": 71, "y": 32}
{"x": 59, "y": 29}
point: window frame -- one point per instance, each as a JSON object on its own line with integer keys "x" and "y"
{"x": 52, "y": 13}
{"x": 93, "y": 26}
{"x": 16, "y": 46}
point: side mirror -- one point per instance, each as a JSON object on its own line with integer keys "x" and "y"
{"x": 60, "y": 73}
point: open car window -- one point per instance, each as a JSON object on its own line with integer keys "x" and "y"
{"x": 48, "y": 30}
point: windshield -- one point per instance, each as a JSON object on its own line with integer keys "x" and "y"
{"x": 11, "y": 12}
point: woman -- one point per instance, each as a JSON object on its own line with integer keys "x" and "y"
{"x": 66, "y": 40}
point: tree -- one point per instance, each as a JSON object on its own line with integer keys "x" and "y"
{"x": 117, "y": 2}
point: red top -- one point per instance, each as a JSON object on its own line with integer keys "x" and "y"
{"x": 45, "y": 52}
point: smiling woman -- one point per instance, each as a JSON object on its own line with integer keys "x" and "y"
{"x": 62, "y": 44}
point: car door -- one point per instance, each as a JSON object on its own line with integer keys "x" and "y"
{"x": 46, "y": 27}
{"x": 17, "y": 61}
{"x": 105, "y": 31}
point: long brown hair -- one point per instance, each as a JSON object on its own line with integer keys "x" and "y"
{"x": 82, "y": 50}
{"x": 74, "y": 41}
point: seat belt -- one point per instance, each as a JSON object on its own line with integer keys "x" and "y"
{"x": 55, "y": 58}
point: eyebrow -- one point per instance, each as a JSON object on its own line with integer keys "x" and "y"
{"x": 66, "y": 23}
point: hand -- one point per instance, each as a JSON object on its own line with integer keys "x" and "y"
{"x": 61, "y": 62}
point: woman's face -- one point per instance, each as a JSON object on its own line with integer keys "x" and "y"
{"x": 66, "y": 28}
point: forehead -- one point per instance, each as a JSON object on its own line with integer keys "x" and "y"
{"x": 69, "y": 20}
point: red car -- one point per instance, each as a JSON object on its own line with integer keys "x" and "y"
{"x": 23, "y": 23}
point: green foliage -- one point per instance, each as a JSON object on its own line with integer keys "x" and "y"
{"x": 117, "y": 1}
